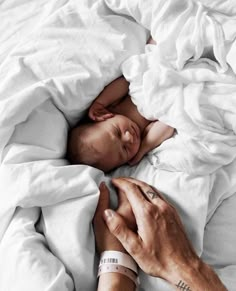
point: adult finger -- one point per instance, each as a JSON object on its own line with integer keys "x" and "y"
{"x": 117, "y": 226}
{"x": 149, "y": 192}
{"x": 125, "y": 210}
{"x": 131, "y": 191}
{"x": 146, "y": 213}
{"x": 142, "y": 209}
{"x": 122, "y": 199}
{"x": 152, "y": 194}
{"x": 103, "y": 202}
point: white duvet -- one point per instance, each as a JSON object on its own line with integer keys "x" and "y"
{"x": 55, "y": 58}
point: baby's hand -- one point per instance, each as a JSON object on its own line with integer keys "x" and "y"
{"x": 151, "y": 41}
{"x": 98, "y": 112}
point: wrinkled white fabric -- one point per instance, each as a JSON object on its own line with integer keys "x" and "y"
{"x": 186, "y": 29}
{"x": 55, "y": 58}
{"x": 180, "y": 81}
{"x": 198, "y": 201}
{"x": 198, "y": 101}
{"x": 188, "y": 81}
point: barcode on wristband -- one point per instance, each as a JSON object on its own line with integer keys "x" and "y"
{"x": 109, "y": 261}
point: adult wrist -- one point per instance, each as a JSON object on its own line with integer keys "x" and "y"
{"x": 119, "y": 259}
{"x": 115, "y": 282}
{"x": 186, "y": 275}
{"x": 116, "y": 247}
{"x": 196, "y": 276}
{"x": 211, "y": 279}
{"x": 117, "y": 271}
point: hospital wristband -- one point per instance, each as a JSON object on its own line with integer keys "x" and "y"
{"x": 118, "y": 258}
{"x": 110, "y": 268}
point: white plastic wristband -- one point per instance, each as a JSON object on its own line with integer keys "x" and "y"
{"x": 110, "y": 268}
{"x": 118, "y": 258}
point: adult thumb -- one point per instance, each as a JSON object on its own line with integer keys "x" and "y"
{"x": 103, "y": 202}
{"x": 118, "y": 227}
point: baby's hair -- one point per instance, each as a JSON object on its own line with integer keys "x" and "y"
{"x": 80, "y": 149}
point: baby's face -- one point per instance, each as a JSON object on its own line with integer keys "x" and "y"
{"x": 118, "y": 141}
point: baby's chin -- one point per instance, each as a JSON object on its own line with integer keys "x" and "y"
{"x": 131, "y": 162}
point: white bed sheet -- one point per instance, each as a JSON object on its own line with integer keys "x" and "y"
{"x": 55, "y": 251}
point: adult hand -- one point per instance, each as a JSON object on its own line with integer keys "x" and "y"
{"x": 104, "y": 239}
{"x": 160, "y": 243}
{"x": 160, "y": 247}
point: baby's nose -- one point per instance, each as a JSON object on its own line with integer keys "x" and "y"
{"x": 128, "y": 137}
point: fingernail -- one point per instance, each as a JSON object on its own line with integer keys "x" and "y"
{"x": 108, "y": 213}
{"x": 102, "y": 185}
{"x": 116, "y": 179}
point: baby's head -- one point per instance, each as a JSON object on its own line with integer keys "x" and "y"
{"x": 106, "y": 144}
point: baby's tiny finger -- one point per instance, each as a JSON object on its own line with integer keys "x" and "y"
{"x": 99, "y": 118}
{"x": 107, "y": 116}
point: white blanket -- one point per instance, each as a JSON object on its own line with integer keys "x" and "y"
{"x": 63, "y": 54}
{"x": 175, "y": 82}
{"x": 55, "y": 58}
{"x": 188, "y": 81}
{"x": 198, "y": 101}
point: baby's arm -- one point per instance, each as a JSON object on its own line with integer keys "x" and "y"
{"x": 154, "y": 134}
{"x": 151, "y": 41}
{"x": 111, "y": 94}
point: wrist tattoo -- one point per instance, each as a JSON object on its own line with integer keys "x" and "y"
{"x": 152, "y": 194}
{"x": 182, "y": 286}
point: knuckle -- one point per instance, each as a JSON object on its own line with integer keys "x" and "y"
{"x": 131, "y": 187}
{"x": 128, "y": 208}
{"x": 149, "y": 209}
{"x": 144, "y": 185}
{"x": 167, "y": 210}
{"x": 164, "y": 208}
{"x": 117, "y": 229}
{"x": 134, "y": 247}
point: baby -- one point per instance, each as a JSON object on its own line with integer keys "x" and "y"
{"x": 116, "y": 133}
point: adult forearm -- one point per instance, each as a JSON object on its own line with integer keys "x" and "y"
{"x": 200, "y": 277}
{"x": 161, "y": 247}
{"x": 115, "y": 282}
